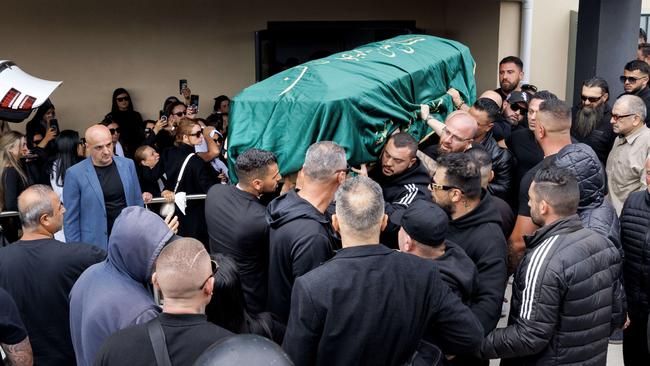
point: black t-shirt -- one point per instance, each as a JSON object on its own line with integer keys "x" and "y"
{"x": 186, "y": 335}
{"x": 526, "y": 150}
{"x": 114, "y": 199}
{"x": 526, "y": 181}
{"x": 39, "y": 275}
{"x": 12, "y": 329}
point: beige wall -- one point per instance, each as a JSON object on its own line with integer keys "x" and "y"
{"x": 509, "y": 33}
{"x": 146, "y": 46}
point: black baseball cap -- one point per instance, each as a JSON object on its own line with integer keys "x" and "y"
{"x": 518, "y": 97}
{"x": 424, "y": 221}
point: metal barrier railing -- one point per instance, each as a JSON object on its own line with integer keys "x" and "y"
{"x": 154, "y": 200}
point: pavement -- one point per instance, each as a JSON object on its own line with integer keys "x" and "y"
{"x": 614, "y": 351}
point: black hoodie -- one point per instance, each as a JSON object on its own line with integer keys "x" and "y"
{"x": 399, "y": 191}
{"x": 479, "y": 233}
{"x": 459, "y": 272}
{"x": 300, "y": 239}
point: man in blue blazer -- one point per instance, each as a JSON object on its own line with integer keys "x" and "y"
{"x": 97, "y": 189}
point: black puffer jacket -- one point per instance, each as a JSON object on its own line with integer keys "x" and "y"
{"x": 635, "y": 237}
{"x": 563, "y": 297}
{"x": 594, "y": 210}
{"x": 502, "y": 164}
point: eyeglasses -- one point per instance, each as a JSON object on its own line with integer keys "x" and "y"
{"x": 617, "y": 117}
{"x": 114, "y": 130}
{"x": 516, "y": 108}
{"x": 630, "y": 79}
{"x": 347, "y": 169}
{"x": 445, "y": 131}
{"x": 196, "y": 134}
{"x": 434, "y": 186}
{"x": 179, "y": 114}
{"x": 590, "y": 99}
{"x": 215, "y": 268}
{"x": 123, "y": 99}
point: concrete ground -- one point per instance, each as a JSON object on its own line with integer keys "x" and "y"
{"x": 614, "y": 352}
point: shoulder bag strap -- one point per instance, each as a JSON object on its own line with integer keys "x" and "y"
{"x": 157, "y": 338}
{"x": 180, "y": 173}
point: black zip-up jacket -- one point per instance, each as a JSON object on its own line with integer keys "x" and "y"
{"x": 399, "y": 192}
{"x": 370, "y": 305}
{"x": 635, "y": 238}
{"x": 479, "y": 233}
{"x": 459, "y": 272}
{"x": 563, "y": 298}
{"x": 301, "y": 238}
{"x": 502, "y": 165}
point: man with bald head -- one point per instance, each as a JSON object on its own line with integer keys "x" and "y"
{"x": 185, "y": 275}
{"x": 456, "y": 134}
{"x": 38, "y": 258}
{"x": 625, "y": 164}
{"x": 97, "y": 189}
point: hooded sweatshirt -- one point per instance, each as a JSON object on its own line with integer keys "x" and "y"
{"x": 112, "y": 295}
{"x": 459, "y": 272}
{"x": 300, "y": 239}
{"x": 399, "y": 191}
{"x": 479, "y": 233}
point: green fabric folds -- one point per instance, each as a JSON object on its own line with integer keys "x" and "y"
{"x": 355, "y": 98}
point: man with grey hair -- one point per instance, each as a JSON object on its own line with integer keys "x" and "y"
{"x": 301, "y": 235}
{"x": 40, "y": 259}
{"x": 625, "y": 164}
{"x": 371, "y": 305}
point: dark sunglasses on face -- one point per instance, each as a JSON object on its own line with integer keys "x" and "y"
{"x": 179, "y": 114}
{"x": 590, "y": 99}
{"x": 215, "y": 268}
{"x": 631, "y": 79}
{"x": 434, "y": 185}
{"x": 196, "y": 134}
{"x": 114, "y": 130}
{"x": 123, "y": 99}
{"x": 516, "y": 108}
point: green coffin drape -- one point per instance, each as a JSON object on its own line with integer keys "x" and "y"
{"x": 356, "y": 98}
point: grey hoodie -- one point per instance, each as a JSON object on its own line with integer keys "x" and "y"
{"x": 113, "y": 294}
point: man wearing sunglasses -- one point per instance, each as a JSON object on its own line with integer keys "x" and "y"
{"x": 625, "y": 164}
{"x": 635, "y": 82}
{"x": 475, "y": 226}
{"x": 185, "y": 275}
{"x": 515, "y": 109}
{"x": 590, "y": 122}
{"x": 116, "y": 132}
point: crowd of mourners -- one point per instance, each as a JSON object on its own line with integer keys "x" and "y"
{"x": 402, "y": 261}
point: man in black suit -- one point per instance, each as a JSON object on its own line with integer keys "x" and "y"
{"x": 370, "y": 305}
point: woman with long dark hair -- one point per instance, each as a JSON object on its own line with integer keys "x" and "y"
{"x": 130, "y": 121}
{"x": 228, "y": 309}
{"x": 42, "y": 129}
{"x": 70, "y": 151}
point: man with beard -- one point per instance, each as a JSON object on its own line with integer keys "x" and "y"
{"x": 475, "y": 225}
{"x": 228, "y": 206}
{"x": 403, "y": 179}
{"x": 456, "y": 134}
{"x": 590, "y": 122}
{"x": 515, "y": 109}
{"x": 511, "y": 72}
{"x": 643, "y": 52}
{"x": 635, "y": 82}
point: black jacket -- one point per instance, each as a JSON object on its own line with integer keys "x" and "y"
{"x": 301, "y": 238}
{"x": 237, "y": 228}
{"x": 502, "y": 165}
{"x": 370, "y": 305}
{"x": 601, "y": 139}
{"x": 197, "y": 178}
{"x": 149, "y": 177}
{"x": 527, "y": 153}
{"x": 563, "y": 298}
{"x": 399, "y": 191}
{"x": 596, "y": 213}
{"x": 635, "y": 237}
{"x": 459, "y": 272}
{"x": 479, "y": 233}
{"x": 645, "y": 95}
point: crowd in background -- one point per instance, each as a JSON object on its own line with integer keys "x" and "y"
{"x": 516, "y": 183}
